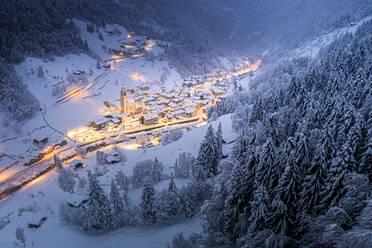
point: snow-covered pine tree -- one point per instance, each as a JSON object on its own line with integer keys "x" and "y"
{"x": 259, "y": 209}
{"x": 187, "y": 206}
{"x": 343, "y": 163}
{"x": 117, "y": 206}
{"x": 168, "y": 202}
{"x": 66, "y": 180}
{"x": 172, "y": 185}
{"x": 207, "y": 160}
{"x": 97, "y": 211}
{"x": 219, "y": 141}
{"x": 100, "y": 36}
{"x": 239, "y": 192}
{"x": 267, "y": 170}
{"x": 123, "y": 184}
{"x": 86, "y": 46}
{"x": 302, "y": 156}
{"x": 316, "y": 175}
{"x": 366, "y": 159}
{"x": 40, "y": 72}
{"x": 287, "y": 194}
{"x": 157, "y": 170}
{"x": 147, "y": 203}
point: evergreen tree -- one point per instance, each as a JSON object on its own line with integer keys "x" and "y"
{"x": 187, "y": 206}
{"x": 167, "y": 202}
{"x": 333, "y": 190}
{"x": 123, "y": 184}
{"x": 285, "y": 203}
{"x": 366, "y": 160}
{"x": 117, "y": 206}
{"x": 207, "y": 160}
{"x": 267, "y": 170}
{"x": 97, "y": 211}
{"x": 239, "y": 192}
{"x": 157, "y": 170}
{"x": 219, "y": 141}
{"x": 100, "y": 37}
{"x": 147, "y": 203}
{"x": 86, "y": 47}
{"x": 302, "y": 156}
{"x": 172, "y": 185}
{"x": 259, "y": 209}
{"x": 315, "y": 176}
{"x": 40, "y": 72}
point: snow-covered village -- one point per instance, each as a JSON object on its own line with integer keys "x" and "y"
{"x": 185, "y": 124}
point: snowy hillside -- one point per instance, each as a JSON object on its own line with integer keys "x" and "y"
{"x": 78, "y": 111}
{"x": 312, "y": 49}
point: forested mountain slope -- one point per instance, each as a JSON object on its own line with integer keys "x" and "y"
{"x": 300, "y": 172}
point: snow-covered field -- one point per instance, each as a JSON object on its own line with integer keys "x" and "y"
{"x": 42, "y": 199}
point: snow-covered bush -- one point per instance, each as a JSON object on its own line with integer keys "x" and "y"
{"x": 167, "y": 205}
{"x": 66, "y": 180}
{"x": 142, "y": 171}
{"x": 179, "y": 241}
{"x": 82, "y": 182}
{"x": 40, "y": 72}
{"x": 33, "y": 208}
{"x": 71, "y": 215}
{"x": 100, "y": 170}
{"x": 20, "y": 237}
{"x": 171, "y": 136}
{"x": 119, "y": 153}
{"x": 147, "y": 169}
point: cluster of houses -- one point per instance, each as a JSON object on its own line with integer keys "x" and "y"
{"x": 191, "y": 102}
{"x": 143, "y": 108}
{"x": 133, "y": 47}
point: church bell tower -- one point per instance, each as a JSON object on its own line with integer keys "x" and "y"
{"x": 123, "y": 100}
